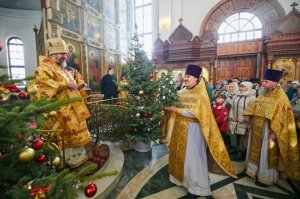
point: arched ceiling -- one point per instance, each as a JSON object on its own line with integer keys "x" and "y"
{"x": 21, "y": 4}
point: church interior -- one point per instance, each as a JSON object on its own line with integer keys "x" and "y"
{"x": 226, "y": 38}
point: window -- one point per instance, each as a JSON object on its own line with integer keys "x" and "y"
{"x": 241, "y": 26}
{"x": 143, "y": 20}
{"x": 16, "y": 58}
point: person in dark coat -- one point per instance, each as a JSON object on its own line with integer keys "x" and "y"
{"x": 108, "y": 85}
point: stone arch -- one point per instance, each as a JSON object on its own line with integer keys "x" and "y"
{"x": 269, "y": 12}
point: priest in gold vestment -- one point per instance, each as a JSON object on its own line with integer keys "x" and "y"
{"x": 193, "y": 138}
{"x": 55, "y": 82}
{"x": 272, "y": 145}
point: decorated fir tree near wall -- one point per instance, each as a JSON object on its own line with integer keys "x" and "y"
{"x": 145, "y": 110}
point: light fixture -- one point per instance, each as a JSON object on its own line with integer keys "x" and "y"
{"x": 165, "y": 23}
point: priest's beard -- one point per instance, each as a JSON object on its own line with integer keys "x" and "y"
{"x": 63, "y": 63}
{"x": 264, "y": 91}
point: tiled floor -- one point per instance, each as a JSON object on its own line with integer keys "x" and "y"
{"x": 145, "y": 175}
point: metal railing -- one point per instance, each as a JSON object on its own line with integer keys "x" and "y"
{"x": 108, "y": 121}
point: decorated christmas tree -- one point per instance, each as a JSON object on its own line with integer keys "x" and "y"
{"x": 30, "y": 163}
{"x": 167, "y": 91}
{"x": 144, "y": 108}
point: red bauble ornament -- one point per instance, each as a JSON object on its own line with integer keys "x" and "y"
{"x": 161, "y": 122}
{"x": 155, "y": 58}
{"x": 161, "y": 141}
{"x": 32, "y": 125}
{"x": 1, "y": 46}
{"x": 23, "y": 95}
{"x": 118, "y": 103}
{"x": 90, "y": 190}
{"x": 41, "y": 158}
{"x": 151, "y": 75}
{"x": 19, "y": 137}
{"x": 12, "y": 88}
{"x": 37, "y": 144}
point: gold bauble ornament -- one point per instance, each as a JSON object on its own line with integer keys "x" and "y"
{"x": 41, "y": 195}
{"x": 52, "y": 113}
{"x": 56, "y": 161}
{"x": 32, "y": 89}
{"x": 27, "y": 154}
{"x": 53, "y": 146}
{"x": 138, "y": 115}
{"x": 141, "y": 92}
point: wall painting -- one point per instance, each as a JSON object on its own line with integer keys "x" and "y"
{"x": 94, "y": 27}
{"x": 110, "y": 10}
{"x": 110, "y": 37}
{"x": 94, "y": 4}
{"x": 74, "y": 54}
{"x": 123, "y": 14}
{"x": 287, "y": 66}
{"x": 71, "y": 16}
{"x": 94, "y": 65}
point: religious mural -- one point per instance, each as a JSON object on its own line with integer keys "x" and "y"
{"x": 123, "y": 14}
{"x": 287, "y": 66}
{"x": 110, "y": 10}
{"x": 94, "y": 4}
{"x": 73, "y": 56}
{"x": 123, "y": 43}
{"x": 94, "y": 27}
{"x": 110, "y": 61}
{"x": 71, "y": 16}
{"x": 110, "y": 37}
{"x": 94, "y": 41}
{"x": 94, "y": 65}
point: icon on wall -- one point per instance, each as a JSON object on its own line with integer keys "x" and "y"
{"x": 287, "y": 66}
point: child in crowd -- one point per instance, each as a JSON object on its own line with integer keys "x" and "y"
{"x": 221, "y": 114}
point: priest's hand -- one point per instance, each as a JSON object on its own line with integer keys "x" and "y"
{"x": 71, "y": 85}
{"x": 81, "y": 85}
{"x": 272, "y": 136}
{"x": 170, "y": 108}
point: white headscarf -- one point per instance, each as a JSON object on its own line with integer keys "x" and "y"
{"x": 248, "y": 86}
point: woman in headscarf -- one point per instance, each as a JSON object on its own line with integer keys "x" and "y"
{"x": 237, "y": 124}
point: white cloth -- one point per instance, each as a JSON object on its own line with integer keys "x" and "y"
{"x": 196, "y": 179}
{"x": 264, "y": 175}
{"x": 74, "y": 156}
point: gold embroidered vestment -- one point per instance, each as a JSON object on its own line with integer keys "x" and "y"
{"x": 275, "y": 108}
{"x": 51, "y": 81}
{"x": 196, "y": 101}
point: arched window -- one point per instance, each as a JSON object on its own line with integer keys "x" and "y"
{"x": 16, "y": 58}
{"x": 240, "y": 27}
